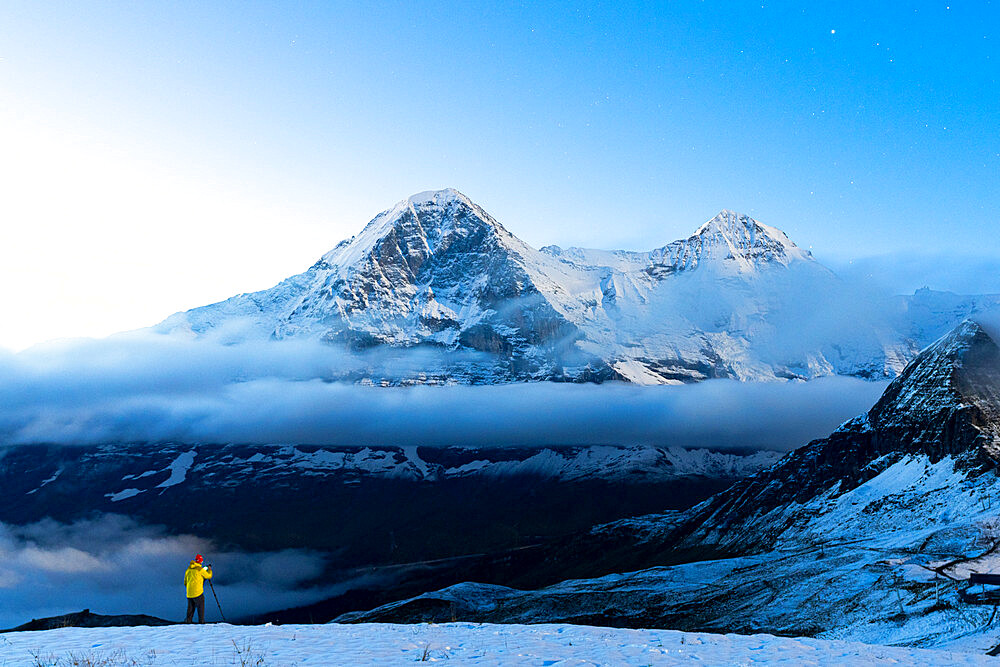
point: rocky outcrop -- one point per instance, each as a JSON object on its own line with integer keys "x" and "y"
{"x": 86, "y": 619}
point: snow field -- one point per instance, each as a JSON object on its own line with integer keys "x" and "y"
{"x": 456, "y": 643}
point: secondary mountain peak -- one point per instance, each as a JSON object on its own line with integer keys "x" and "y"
{"x": 736, "y": 236}
{"x": 439, "y": 198}
{"x": 952, "y": 388}
{"x": 730, "y": 243}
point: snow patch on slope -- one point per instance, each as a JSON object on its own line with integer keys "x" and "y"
{"x": 124, "y": 495}
{"x": 178, "y": 469}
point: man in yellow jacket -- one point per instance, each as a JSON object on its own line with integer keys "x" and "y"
{"x": 194, "y": 582}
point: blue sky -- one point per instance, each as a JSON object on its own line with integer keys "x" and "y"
{"x": 242, "y": 140}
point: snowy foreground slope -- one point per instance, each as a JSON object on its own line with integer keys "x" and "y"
{"x": 456, "y": 643}
{"x": 435, "y": 290}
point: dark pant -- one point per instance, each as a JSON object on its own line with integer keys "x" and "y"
{"x": 199, "y": 604}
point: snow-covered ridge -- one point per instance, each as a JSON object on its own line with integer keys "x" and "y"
{"x": 435, "y": 272}
{"x": 733, "y": 242}
{"x": 569, "y": 464}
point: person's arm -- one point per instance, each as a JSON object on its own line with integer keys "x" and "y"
{"x": 207, "y": 572}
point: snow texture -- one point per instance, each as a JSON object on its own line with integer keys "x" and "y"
{"x": 454, "y": 643}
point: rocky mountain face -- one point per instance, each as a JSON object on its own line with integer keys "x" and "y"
{"x": 437, "y": 276}
{"x": 865, "y": 535}
{"x": 943, "y": 408}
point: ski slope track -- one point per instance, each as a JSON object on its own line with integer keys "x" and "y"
{"x": 437, "y": 274}
{"x": 865, "y": 535}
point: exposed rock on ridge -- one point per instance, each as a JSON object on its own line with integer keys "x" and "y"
{"x": 945, "y": 404}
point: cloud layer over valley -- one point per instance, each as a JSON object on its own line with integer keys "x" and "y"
{"x": 150, "y": 388}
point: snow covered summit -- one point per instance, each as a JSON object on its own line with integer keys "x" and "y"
{"x": 741, "y": 239}
{"x": 438, "y": 276}
{"x": 728, "y": 243}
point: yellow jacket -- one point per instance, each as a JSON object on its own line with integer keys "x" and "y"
{"x": 194, "y": 579}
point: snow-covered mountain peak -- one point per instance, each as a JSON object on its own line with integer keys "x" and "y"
{"x": 959, "y": 374}
{"x": 415, "y": 227}
{"x": 942, "y": 371}
{"x": 741, "y": 239}
{"x": 731, "y": 242}
{"x": 735, "y": 224}
{"x": 439, "y": 198}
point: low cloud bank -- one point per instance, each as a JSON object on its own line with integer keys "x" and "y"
{"x": 159, "y": 389}
{"x": 113, "y": 565}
